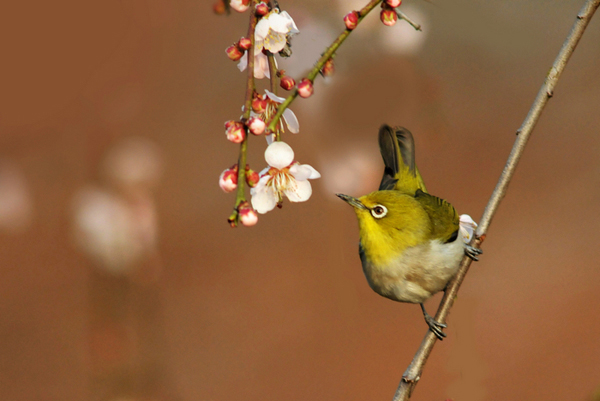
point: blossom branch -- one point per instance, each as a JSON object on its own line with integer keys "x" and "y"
{"x": 415, "y": 369}
{"x": 321, "y": 62}
{"x": 250, "y": 87}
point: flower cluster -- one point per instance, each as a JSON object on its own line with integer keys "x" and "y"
{"x": 283, "y": 177}
{"x": 270, "y": 33}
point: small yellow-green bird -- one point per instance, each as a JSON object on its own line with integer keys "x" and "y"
{"x": 410, "y": 245}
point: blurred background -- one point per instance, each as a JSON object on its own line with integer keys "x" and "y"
{"x": 120, "y": 278}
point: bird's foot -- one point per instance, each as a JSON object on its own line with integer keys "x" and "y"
{"x": 435, "y": 326}
{"x": 472, "y": 252}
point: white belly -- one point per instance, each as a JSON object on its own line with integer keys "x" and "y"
{"x": 419, "y": 273}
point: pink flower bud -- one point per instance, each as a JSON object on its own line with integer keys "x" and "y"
{"x": 388, "y": 16}
{"x": 252, "y": 177}
{"x": 234, "y": 53}
{"x": 287, "y": 82}
{"x": 305, "y": 88}
{"x": 228, "y": 179}
{"x": 256, "y": 125}
{"x": 248, "y": 216}
{"x": 262, "y": 9}
{"x": 351, "y": 20}
{"x": 235, "y": 131}
{"x": 244, "y": 44}
{"x": 393, "y": 3}
{"x": 328, "y": 69}
{"x": 239, "y": 5}
{"x": 259, "y": 104}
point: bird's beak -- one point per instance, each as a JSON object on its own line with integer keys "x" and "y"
{"x": 351, "y": 201}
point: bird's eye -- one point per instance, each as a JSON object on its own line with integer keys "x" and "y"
{"x": 379, "y": 211}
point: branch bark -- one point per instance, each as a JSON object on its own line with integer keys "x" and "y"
{"x": 415, "y": 369}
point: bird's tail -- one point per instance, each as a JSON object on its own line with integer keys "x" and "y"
{"x": 397, "y": 148}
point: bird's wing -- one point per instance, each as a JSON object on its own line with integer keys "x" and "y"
{"x": 397, "y": 148}
{"x": 444, "y": 219}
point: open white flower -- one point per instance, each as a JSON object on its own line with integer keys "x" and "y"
{"x": 284, "y": 176}
{"x": 272, "y": 30}
{"x": 271, "y": 33}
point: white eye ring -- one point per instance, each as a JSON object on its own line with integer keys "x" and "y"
{"x": 379, "y": 211}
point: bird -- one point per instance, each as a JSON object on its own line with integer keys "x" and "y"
{"x": 409, "y": 239}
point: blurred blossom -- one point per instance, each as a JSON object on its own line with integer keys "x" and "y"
{"x": 354, "y": 170}
{"x": 308, "y": 46}
{"x": 16, "y": 204}
{"x": 116, "y": 232}
{"x": 402, "y": 38}
{"x": 134, "y": 163}
{"x": 118, "y": 227}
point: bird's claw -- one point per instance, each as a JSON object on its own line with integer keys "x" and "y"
{"x": 435, "y": 326}
{"x": 472, "y": 252}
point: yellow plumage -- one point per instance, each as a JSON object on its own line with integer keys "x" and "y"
{"x": 409, "y": 245}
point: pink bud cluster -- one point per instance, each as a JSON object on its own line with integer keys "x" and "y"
{"x": 235, "y": 131}
{"x": 236, "y": 50}
{"x": 228, "y": 181}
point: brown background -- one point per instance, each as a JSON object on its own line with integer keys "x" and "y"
{"x": 282, "y": 311}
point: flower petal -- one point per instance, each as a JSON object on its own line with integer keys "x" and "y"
{"x": 262, "y": 29}
{"x": 302, "y": 172}
{"x": 300, "y": 192}
{"x": 279, "y": 155}
{"x": 274, "y": 97}
{"x": 243, "y": 62}
{"x": 293, "y": 29}
{"x": 258, "y": 46}
{"x": 291, "y": 120}
{"x": 270, "y": 138}
{"x": 275, "y": 42}
{"x": 278, "y": 23}
{"x": 264, "y": 197}
{"x": 261, "y": 66}
{"x": 467, "y": 227}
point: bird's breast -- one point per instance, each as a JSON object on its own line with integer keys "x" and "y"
{"x": 417, "y": 273}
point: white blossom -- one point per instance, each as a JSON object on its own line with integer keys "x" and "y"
{"x": 284, "y": 176}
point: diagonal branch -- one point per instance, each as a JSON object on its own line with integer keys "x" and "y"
{"x": 415, "y": 369}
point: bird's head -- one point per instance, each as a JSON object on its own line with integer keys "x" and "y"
{"x": 389, "y": 222}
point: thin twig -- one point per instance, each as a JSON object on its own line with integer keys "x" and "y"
{"x": 405, "y": 17}
{"x": 415, "y": 369}
{"x": 240, "y": 194}
{"x": 329, "y": 52}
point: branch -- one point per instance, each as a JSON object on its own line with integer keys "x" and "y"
{"x": 329, "y": 52}
{"x": 413, "y": 373}
{"x": 240, "y": 195}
